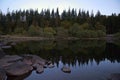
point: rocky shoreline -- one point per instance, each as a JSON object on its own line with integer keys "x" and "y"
{"x": 15, "y": 65}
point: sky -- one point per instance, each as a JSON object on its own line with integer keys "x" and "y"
{"x": 106, "y": 7}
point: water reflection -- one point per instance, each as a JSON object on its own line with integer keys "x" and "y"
{"x": 69, "y": 51}
{"x": 96, "y": 57}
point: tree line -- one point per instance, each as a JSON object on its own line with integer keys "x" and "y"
{"x": 26, "y": 20}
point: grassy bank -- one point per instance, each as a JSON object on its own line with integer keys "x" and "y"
{"x": 27, "y": 38}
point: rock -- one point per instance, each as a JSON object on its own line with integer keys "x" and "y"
{"x": 2, "y": 74}
{"x": 8, "y": 60}
{"x": 2, "y": 54}
{"x": 49, "y": 62}
{"x": 35, "y": 60}
{"x": 18, "y": 68}
{"x": 28, "y": 60}
{"x": 39, "y": 68}
{"x": 66, "y": 69}
{"x": 34, "y": 66}
{"x": 51, "y": 65}
{"x": 114, "y": 76}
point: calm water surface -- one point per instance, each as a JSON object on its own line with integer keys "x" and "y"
{"x": 88, "y": 60}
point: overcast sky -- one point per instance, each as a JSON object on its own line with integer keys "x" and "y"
{"x": 104, "y": 6}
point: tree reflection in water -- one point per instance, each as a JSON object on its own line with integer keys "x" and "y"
{"x": 69, "y": 52}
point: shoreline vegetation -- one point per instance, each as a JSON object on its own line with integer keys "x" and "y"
{"x": 51, "y": 25}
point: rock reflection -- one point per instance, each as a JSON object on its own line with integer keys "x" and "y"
{"x": 114, "y": 76}
{"x": 22, "y": 77}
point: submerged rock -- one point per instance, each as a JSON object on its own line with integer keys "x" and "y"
{"x": 114, "y": 76}
{"x": 2, "y": 74}
{"x": 18, "y": 68}
{"x": 8, "y": 60}
{"x": 66, "y": 69}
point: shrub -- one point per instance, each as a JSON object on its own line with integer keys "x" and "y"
{"x": 90, "y": 34}
{"x": 74, "y": 29}
{"x": 85, "y": 26}
{"x": 83, "y": 34}
{"x": 49, "y": 32}
{"x": 66, "y": 24}
{"x": 35, "y": 31}
{"x": 101, "y": 33}
{"x": 99, "y": 26}
{"x": 84, "y": 31}
{"x": 19, "y": 31}
{"x": 61, "y": 32}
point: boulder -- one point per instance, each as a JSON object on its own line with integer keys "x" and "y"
{"x": 49, "y": 62}
{"x": 2, "y": 74}
{"x": 66, "y": 69}
{"x": 28, "y": 60}
{"x": 18, "y": 68}
{"x": 33, "y": 59}
{"x": 51, "y": 65}
{"x": 114, "y": 76}
{"x": 8, "y": 60}
{"x": 39, "y": 68}
{"x": 38, "y": 60}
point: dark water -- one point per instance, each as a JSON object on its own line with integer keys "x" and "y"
{"x": 88, "y": 60}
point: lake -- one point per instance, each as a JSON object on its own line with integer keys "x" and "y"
{"x": 88, "y": 60}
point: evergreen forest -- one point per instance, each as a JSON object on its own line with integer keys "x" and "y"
{"x": 52, "y": 23}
